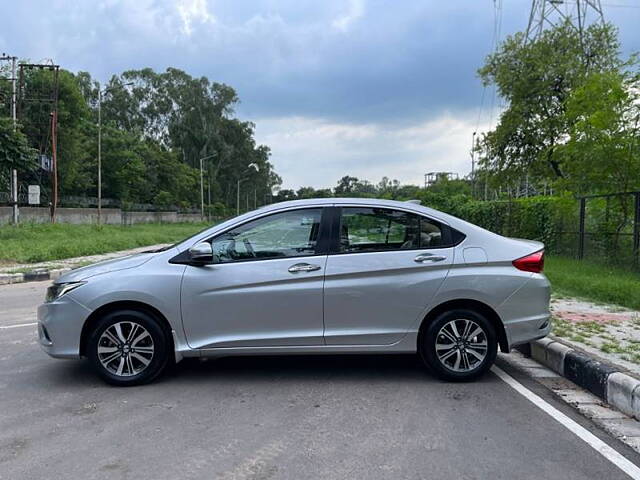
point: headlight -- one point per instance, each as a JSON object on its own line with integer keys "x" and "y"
{"x": 57, "y": 290}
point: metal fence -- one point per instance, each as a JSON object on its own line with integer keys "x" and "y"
{"x": 606, "y": 229}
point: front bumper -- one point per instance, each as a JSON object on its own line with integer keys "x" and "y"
{"x": 60, "y": 326}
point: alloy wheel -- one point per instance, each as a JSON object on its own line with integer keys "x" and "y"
{"x": 461, "y": 345}
{"x": 125, "y": 349}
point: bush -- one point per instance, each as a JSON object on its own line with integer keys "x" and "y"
{"x": 546, "y": 219}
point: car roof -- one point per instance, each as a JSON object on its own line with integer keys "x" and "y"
{"x": 378, "y": 202}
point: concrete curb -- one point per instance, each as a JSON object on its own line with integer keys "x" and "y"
{"x": 615, "y": 387}
{"x": 32, "y": 276}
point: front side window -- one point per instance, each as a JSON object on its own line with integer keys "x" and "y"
{"x": 287, "y": 234}
{"x": 380, "y": 229}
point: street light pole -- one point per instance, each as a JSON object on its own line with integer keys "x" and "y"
{"x": 201, "y": 192}
{"x": 202, "y": 184}
{"x": 240, "y": 179}
{"x": 238, "y": 198}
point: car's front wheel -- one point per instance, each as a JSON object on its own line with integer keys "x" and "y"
{"x": 128, "y": 347}
{"x": 459, "y": 345}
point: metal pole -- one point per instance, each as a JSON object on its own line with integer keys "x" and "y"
{"x": 473, "y": 166}
{"x": 583, "y": 207}
{"x": 636, "y": 227}
{"x": 238, "y": 199}
{"x": 14, "y": 172}
{"x": 54, "y": 157}
{"x": 209, "y": 199}
{"x": 99, "y": 154}
{"x": 201, "y": 192}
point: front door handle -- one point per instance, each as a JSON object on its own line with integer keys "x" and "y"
{"x": 429, "y": 257}
{"x": 303, "y": 267}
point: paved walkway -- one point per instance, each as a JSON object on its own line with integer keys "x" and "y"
{"x": 606, "y": 331}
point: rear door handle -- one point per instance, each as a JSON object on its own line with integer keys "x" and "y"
{"x": 429, "y": 258}
{"x": 303, "y": 267}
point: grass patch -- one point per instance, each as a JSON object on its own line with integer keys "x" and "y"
{"x": 594, "y": 282}
{"x": 30, "y": 243}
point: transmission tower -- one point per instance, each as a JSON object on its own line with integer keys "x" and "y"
{"x": 549, "y": 13}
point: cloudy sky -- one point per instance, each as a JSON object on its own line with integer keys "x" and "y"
{"x": 360, "y": 87}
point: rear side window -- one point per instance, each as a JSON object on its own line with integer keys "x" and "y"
{"x": 380, "y": 229}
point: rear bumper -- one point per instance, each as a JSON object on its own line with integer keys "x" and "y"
{"x": 525, "y": 314}
{"x": 60, "y": 326}
{"x": 526, "y": 330}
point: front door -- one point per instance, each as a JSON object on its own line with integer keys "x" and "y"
{"x": 387, "y": 267}
{"x": 266, "y": 289}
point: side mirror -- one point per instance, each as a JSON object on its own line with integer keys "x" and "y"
{"x": 202, "y": 253}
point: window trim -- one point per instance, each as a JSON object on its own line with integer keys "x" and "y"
{"x": 323, "y": 232}
{"x": 336, "y": 224}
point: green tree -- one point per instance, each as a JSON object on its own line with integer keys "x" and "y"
{"x": 14, "y": 151}
{"x": 602, "y": 154}
{"x": 346, "y": 185}
{"x": 536, "y": 79}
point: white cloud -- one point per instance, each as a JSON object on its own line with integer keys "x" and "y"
{"x": 354, "y": 11}
{"x": 315, "y": 152}
{"x": 192, "y": 11}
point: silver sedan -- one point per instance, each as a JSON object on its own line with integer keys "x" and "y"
{"x": 322, "y": 276}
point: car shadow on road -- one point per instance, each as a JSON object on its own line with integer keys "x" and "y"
{"x": 265, "y": 369}
{"x": 336, "y": 368}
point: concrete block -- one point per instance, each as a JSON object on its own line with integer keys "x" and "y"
{"x": 7, "y": 278}
{"x": 539, "y": 350}
{"x": 36, "y": 275}
{"x": 587, "y": 372}
{"x": 57, "y": 272}
{"x": 555, "y": 355}
{"x": 620, "y": 393}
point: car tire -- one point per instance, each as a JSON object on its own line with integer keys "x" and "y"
{"x": 128, "y": 347}
{"x": 459, "y": 345}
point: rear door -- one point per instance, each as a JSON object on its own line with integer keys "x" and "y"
{"x": 384, "y": 268}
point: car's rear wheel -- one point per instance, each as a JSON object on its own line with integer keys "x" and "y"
{"x": 128, "y": 347}
{"x": 459, "y": 345}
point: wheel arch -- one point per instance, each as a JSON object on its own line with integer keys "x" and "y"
{"x": 124, "y": 305}
{"x": 469, "y": 304}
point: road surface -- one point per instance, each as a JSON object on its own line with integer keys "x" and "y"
{"x": 337, "y": 417}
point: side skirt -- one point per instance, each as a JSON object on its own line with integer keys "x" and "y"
{"x": 408, "y": 344}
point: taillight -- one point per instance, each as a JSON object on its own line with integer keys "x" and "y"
{"x": 531, "y": 263}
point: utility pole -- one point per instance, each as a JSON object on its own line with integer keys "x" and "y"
{"x": 14, "y": 118}
{"x": 54, "y": 157}
{"x": 99, "y": 154}
{"x": 14, "y": 172}
{"x": 43, "y": 120}
{"x": 548, "y": 13}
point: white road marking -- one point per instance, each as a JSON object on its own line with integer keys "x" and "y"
{"x": 2, "y": 327}
{"x": 594, "y": 442}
